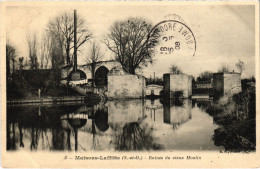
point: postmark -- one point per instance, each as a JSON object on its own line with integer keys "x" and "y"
{"x": 174, "y": 37}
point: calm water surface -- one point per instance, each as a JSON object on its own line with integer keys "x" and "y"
{"x": 119, "y": 125}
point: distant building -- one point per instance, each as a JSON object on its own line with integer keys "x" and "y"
{"x": 154, "y": 89}
{"x": 203, "y": 85}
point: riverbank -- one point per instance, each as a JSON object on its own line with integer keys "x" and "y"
{"x": 236, "y": 117}
{"x": 46, "y": 100}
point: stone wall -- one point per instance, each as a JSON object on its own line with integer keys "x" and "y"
{"x": 226, "y": 83}
{"x": 65, "y": 71}
{"x": 232, "y": 83}
{"x": 108, "y": 64}
{"x": 218, "y": 84}
{"x": 126, "y": 86}
{"x": 177, "y": 83}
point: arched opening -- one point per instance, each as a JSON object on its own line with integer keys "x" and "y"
{"x": 77, "y": 75}
{"x": 101, "y": 76}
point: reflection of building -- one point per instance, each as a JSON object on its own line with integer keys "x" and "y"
{"x": 152, "y": 107}
{"x": 124, "y": 111}
{"x": 177, "y": 114}
{"x": 55, "y": 127}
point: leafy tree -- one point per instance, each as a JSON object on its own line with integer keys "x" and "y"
{"x": 175, "y": 70}
{"x": 205, "y": 76}
{"x": 223, "y": 69}
{"x": 132, "y": 42}
{"x": 240, "y": 66}
{"x": 62, "y": 28}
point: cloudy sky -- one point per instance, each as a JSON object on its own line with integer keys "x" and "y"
{"x": 224, "y": 34}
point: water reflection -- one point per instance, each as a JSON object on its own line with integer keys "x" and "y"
{"x": 116, "y": 125}
{"x": 177, "y": 113}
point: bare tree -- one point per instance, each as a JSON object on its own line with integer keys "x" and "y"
{"x": 46, "y": 45}
{"x": 132, "y": 42}
{"x": 32, "y": 47}
{"x": 93, "y": 57}
{"x": 240, "y": 66}
{"x": 62, "y": 28}
{"x": 175, "y": 70}
{"x": 56, "y": 52}
{"x": 223, "y": 69}
{"x": 10, "y": 55}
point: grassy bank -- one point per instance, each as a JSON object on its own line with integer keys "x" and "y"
{"x": 27, "y": 86}
{"x": 236, "y": 117}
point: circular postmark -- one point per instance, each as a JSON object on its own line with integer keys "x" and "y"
{"x": 174, "y": 37}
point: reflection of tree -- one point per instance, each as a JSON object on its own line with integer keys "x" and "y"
{"x": 57, "y": 139}
{"x": 135, "y": 137}
{"x": 76, "y": 123}
{"x": 8, "y": 137}
{"x": 11, "y": 135}
{"x": 35, "y": 138}
{"x": 35, "y": 125}
{"x": 95, "y": 141}
{"x": 38, "y": 130}
{"x": 21, "y": 134}
{"x": 203, "y": 104}
{"x": 68, "y": 140}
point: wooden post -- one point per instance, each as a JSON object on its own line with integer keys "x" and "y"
{"x": 39, "y": 93}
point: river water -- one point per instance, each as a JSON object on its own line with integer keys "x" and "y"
{"x": 117, "y": 125}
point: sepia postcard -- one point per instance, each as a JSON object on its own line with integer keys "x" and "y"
{"x": 124, "y": 84}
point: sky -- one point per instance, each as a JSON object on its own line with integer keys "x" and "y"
{"x": 224, "y": 34}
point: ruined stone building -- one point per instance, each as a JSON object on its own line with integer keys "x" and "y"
{"x": 226, "y": 84}
{"x": 177, "y": 84}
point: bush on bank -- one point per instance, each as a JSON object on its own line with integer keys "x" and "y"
{"x": 236, "y": 117}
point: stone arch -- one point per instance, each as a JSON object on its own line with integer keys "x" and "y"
{"x": 101, "y": 76}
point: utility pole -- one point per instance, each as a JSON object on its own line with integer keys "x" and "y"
{"x": 75, "y": 40}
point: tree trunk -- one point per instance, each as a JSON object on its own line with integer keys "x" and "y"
{"x": 8, "y": 67}
{"x": 68, "y": 55}
{"x": 131, "y": 70}
{"x": 93, "y": 65}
